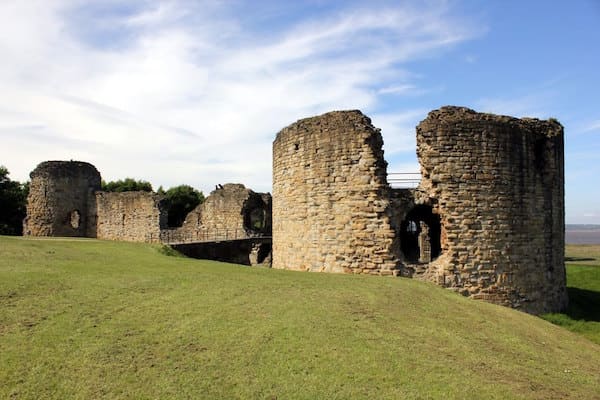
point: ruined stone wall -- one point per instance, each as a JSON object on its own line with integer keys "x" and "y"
{"x": 497, "y": 184}
{"x": 129, "y": 216}
{"x": 231, "y": 208}
{"x": 60, "y": 200}
{"x": 65, "y": 200}
{"x": 254, "y": 251}
{"x": 331, "y": 200}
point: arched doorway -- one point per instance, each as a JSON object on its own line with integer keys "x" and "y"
{"x": 420, "y": 235}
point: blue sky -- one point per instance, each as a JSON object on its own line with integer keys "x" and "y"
{"x": 182, "y": 91}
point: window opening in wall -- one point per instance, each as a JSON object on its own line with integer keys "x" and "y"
{"x": 75, "y": 219}
{"x": 420, "y": 235}
{"x": 256, "y": 219}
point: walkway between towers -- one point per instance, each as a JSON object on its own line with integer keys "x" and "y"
{"x": 233, "y": 246}
{"x": 176, "y": 236}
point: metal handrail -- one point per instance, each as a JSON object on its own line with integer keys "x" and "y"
{"x": 172, "y": 236}
{"x": 404, "y": 180}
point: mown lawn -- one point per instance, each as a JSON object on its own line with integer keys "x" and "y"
{"x": 583, "y": 286}
{"x": 87, "y": 319}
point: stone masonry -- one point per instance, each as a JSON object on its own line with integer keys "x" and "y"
{"x": 331, "y": 207}
{"x": 60, "y": 201}
{"x": 65, "y": 200}
{"x": 129, "y": 216}
{"x": 497, "y": 184}
{"x": 231, "y": 208}
{"x": 487, "y": 219}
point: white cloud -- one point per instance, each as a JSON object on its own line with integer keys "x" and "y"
{"x": 398, "y": 89}
{"x": 398, "y": 130}
{"x": 189, "y": 95}
{"x": 592, "y": 126}
{"x": 531, "y": 105}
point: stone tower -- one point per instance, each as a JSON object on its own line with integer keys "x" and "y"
{"x": 487, "y": 219}
{"x": 496, "y": 184}
{"x": 331, "y": 206}
{"x": 61, "y": 199}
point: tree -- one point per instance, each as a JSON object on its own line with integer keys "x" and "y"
{"x": 13, "y": 204}
{"x": 180, "y": 201}
{"x": 127, "y": 185}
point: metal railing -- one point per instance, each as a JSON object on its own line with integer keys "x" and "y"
{"x": 404, "y": 180}
{"x": 173, "y": 236}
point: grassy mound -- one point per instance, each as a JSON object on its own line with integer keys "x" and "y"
{"x": 92, "y": 319}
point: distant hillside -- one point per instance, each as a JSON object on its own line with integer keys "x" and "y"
{"x": 582, "y": 227}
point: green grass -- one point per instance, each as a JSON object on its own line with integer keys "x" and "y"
{"x": 583, "y": 286}
{"x": 91, "y": 319}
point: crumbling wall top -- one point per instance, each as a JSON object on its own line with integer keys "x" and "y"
{"x": 59, "y": 169}
{"x": 231, "y": 208}
{"x": 339, "y": 119}
{"x": 463, "y": 115}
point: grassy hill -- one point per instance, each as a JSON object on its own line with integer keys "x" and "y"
{"x": 92, "y": 319}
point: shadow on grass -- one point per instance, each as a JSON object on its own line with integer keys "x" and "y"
{"x": 583, "y": 304}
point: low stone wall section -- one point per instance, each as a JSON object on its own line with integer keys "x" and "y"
{"x": 231, "y": 208}
{"x": 129, "y": 216}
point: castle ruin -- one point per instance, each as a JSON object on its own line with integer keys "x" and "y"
{"x": 487, "y": 219}
{"x": 65, "y": 200}
{"x": 234, "y": 222}
{"x": 233, "y": 208}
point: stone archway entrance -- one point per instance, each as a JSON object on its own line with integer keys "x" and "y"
{"x": 420, "y": 235}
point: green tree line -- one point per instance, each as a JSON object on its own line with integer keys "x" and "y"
{"x": 180, "y": 201}
{"x": 13, "y": 201}
{"x": 127, "y": 185}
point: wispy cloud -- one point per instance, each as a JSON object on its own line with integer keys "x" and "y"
{"x": 593, "y": 126}
{"x": 181, "y": 91}
{"x": 398, "y": 89}
{"x": 530, "y": 105}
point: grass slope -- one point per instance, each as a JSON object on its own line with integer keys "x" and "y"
{"x": 91, "y": 319}
{"x": 583, "y": 286}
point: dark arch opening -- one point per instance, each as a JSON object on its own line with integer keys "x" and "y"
{"x": 420, "y": 235}
{"x": 256, "y": 220}
{"x": 263, "y": 252}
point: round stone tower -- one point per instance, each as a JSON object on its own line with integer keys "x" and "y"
{"x": 331, "y": 200}
{"x": 61, "y": 199}
{"x": 496, "y": 183}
